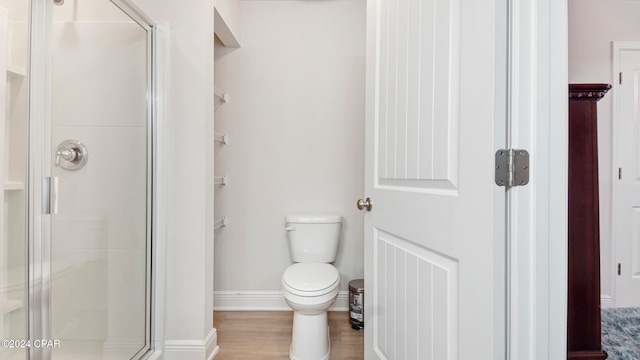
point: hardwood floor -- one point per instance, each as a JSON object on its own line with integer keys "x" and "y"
{"x": 266, "y": 335}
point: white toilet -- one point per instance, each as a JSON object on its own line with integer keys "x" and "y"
{"x": 311, "y": 284}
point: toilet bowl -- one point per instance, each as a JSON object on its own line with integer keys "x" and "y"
{"x": 310, "y": 286}
{"x": 310, "y": 289}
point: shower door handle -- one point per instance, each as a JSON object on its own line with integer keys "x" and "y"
{"x": 50, "y": 195}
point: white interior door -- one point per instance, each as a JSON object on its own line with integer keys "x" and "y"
{"x": 627, "y": 186}
{"x": 434, "y": 269}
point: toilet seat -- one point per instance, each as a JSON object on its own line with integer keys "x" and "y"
{"x": 310, "y": 279}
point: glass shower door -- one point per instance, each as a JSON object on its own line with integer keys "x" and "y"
{"x": 101, "y": 168}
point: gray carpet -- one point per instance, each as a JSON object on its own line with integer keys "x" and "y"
{"x": 621, "y": 333}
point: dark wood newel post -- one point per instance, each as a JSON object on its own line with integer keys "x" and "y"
{"x": 584, "y": 338}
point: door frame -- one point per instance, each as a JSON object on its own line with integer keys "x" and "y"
{"x": 39, "y": 120}
{"x": 537, "y": 213}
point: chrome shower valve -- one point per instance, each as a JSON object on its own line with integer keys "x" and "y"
{"x": 71, "y": 155}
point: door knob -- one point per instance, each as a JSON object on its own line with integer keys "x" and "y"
{"x": 366, "y": 203}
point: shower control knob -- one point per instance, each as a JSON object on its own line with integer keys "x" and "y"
{"x": 67, "y": 154}
{"x": 71, "y": 155}
{"x": 364, "y": 204}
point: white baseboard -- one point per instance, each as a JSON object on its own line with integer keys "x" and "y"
{"x": 606, "y": 301}
{"x": 211, "y": 345}
{"x": 192, "y": 349}
{"x": 264, "y": 301}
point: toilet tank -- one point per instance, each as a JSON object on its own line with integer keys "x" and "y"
{"x": 313, "y": 237}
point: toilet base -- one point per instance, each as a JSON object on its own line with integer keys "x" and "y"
{"x": 326, "y": 357}
{"x": 310, "y": 337}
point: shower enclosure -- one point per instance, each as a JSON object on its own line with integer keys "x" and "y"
{"x": 77, "y": 115}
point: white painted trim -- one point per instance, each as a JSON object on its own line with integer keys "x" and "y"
{"x": 192, "y": 349}
{"x": 538, "y": 211}
{"x": 550, "y": 221}
{"x": 264, "y": 301}
{"x": 211, "y": 345}
{"x": 555, "y": 262}
{"x": 606, "y": 301}
{"x": 616, "y": 48}
{"x": 521, "y": 201}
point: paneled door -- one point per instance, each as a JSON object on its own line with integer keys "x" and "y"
{"x": 626, "y": 220}
{"x": 434, "y": 254}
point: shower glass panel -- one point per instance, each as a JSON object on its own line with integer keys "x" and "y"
{"x": 13, "y": 160}
{"x": 100, "y": 159}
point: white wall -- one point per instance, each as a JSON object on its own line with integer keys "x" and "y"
{"x": 295, "y": 120}
{"x": 18, "y": 10}
{"x": 593, "y": 25}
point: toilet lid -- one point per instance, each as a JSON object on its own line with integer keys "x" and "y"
{"x": 310, "y": 277}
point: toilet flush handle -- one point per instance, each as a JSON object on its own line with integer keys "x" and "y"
{"x": 290, "y": 228}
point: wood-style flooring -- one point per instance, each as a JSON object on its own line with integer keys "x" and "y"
{"x": 266, "y": 335}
